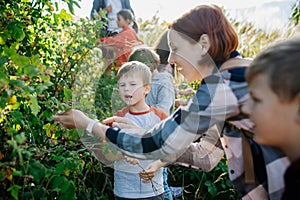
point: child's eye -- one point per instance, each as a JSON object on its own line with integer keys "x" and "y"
{"x": 133, "y": 84}
{"x": 256, "y": 100}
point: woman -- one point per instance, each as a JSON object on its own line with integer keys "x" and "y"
{"x": 203, "y": 46}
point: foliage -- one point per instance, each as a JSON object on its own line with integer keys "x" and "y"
{"x": 42, "y": 51}
{"x": 253, "y": 40}
{"x": 295, "y": 16}
{"x": 203, "y": 185}
{"x": 151, "y": 29}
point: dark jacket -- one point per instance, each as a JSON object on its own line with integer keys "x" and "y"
{"x": 97, "y": 4}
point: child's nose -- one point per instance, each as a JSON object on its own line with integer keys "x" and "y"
{"x": 126, "y": 88}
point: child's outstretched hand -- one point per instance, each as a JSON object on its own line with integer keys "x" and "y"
{"x": 151, "y": 170}
{"x": 72, "y": 118}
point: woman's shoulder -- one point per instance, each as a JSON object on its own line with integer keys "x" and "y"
{"x": 236, "y": 62}
{"x": 163, "y": 77}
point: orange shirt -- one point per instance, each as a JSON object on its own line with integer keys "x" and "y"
{"x": 123, "y": 44}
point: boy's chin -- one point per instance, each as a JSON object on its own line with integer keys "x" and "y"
{"x": 129, "y": 102}
{"x": 261, "y": 140}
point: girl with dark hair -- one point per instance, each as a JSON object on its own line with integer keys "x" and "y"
{"x": 124, "y": 42}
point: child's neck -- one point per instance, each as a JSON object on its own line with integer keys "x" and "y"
{"x": 139, "y": 107}
{"x": 124, "y": 27}
{"x": 292, "y": 149}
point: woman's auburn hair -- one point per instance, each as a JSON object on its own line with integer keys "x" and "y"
{"x": 210, "y": 20}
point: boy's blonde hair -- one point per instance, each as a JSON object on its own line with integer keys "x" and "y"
{"x": 280, "y": 63}
{"x": 146, "y": 56}
{"x": 135, "y": 67}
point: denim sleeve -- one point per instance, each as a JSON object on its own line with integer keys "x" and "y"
{"x": 97, "y": 4}
{"x": 127, "y": 5}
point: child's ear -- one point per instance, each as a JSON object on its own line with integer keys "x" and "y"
{"x": 147, "y": 88}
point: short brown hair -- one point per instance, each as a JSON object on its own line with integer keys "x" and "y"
{"x": 280, "y": 62}
{"x": 135, "y": 67}
{"x": 145, "y": 55}
{"x": 162, "y": 49}
{"x": 210, "y": 20}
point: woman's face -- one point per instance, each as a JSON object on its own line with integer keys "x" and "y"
{"x": 185, "y": 55}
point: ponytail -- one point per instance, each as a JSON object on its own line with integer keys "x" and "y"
{"x": 135, "y": 26}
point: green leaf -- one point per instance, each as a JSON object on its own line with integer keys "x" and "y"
{"x": 212, "y": 189}
{"x": 71, "y": 8}
{"x": 60, "y": 168}
{"x": 67, "y": 94}
{"x": 34, "y": 105}
{"x": 65, "y": 186}
{"x": 57, "y": 158}
{"x": 2, "y": 40}
{"x": 37, "y": 170}
{"x": 35, "y": 60}
{"x": 17, "y": 173}
{"x": 16, "y": 28}
{"x": 18, "y": 34}
{"x": 20, "y": 138}
{"x": 31, "y": 70}
{"x": 17, "y": 83}
{"x": 68, "y": 192}
{"x": 64, "y": 15}
{"x": 14, "y": 190}
{"x": 3, "y": 60}
{"x": 46, "y": 127}
{"x": 58, "y": 183}
{"x": 19, "y": 60}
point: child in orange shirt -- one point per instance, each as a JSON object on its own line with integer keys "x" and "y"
{"x": 124, "y": 41}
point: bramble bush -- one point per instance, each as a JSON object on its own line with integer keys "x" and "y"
{"x": 42, "y": 50}
{"x": 47, "y": 62}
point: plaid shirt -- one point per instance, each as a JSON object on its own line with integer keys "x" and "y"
{"x": 217, "y": 100}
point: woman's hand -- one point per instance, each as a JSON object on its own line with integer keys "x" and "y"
{"x": 122, "y": 123}
{"x": 151, "y": 170}
{"x": 179, "y": 102}
{"x": 125, "y": 124}
{"x": 72, "y": 119}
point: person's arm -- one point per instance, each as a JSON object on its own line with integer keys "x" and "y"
{"x": 77, "y": 119}
{"x": 149, "y": 172}
{"x": 186, "y": 91}
{"x": 122, "y": 39}
{"x": 128, "y": 6}
{"x": 204, "y": 154}
{"x": 212, "y": 104}
{"x": 97, "y": 4}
